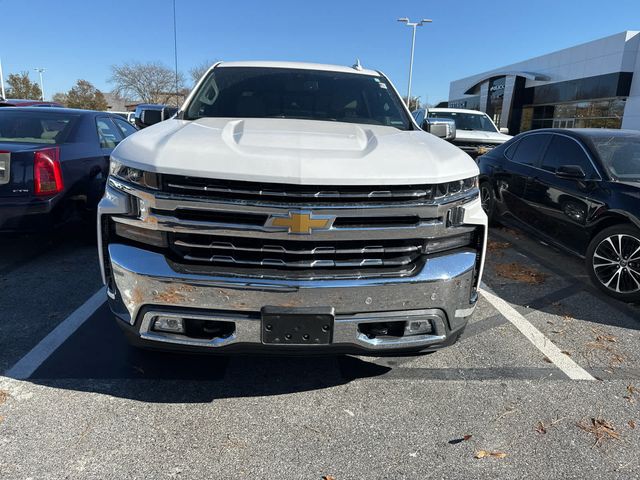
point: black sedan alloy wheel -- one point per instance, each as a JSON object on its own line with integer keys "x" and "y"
{"x": 615, "y": 262}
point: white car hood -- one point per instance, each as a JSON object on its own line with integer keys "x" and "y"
{"x": 481, "y": 137}
{"x": 294, "y": 151}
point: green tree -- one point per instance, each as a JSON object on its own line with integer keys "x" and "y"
{"x": 84, "y": 95}
{"x": 21, "y": 86}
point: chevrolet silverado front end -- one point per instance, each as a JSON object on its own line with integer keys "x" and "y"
{"x": 291, "y": 208}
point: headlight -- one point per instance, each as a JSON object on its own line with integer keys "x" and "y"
{"x": 457, "y": 187}
{"x": 133, "y": 175}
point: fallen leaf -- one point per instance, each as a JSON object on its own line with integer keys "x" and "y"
{"x": 1, "y": 419}
{"x": 3, "y": 396}
{"x": 547, "y": 359}
{"x": 632, "y": 424}
{"x": 540, "y": 428}
{"x": 328, "y": 477}
{"x": 566, "y": 352}
{"x": 493, "y": 246}
{"x": 455, "y": 441}
{"x": 600, "y": 428}
{"x": 493, "y": 454}
{"x": 521, "y": 273}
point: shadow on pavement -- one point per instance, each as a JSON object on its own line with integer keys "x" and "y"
{"x": 97, "y": 358}
{"x": 600, "y": 309}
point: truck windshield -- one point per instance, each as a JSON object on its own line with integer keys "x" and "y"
{"x": 261, "y": 92}
{"x": 40, "y": 126}
{"x": 467, "y": 121}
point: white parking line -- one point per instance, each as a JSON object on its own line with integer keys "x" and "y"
{"x": 542, "y": 343}
{"x": 32, "y": 360}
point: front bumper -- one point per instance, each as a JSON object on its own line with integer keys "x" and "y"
{"x": 147, "y": 286}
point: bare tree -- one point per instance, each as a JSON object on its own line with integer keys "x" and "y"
{"x": 414, "y": 104}
{"x": 150, "y": 82}
{"x": 199, "y": 70}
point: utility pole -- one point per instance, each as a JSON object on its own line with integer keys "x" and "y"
{"x": 2, "y": 94}
{"x": 41, "y": 71}
{"x": 414, "y": 25}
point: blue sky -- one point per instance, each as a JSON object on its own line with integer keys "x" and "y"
{"x": 75, "y": 39}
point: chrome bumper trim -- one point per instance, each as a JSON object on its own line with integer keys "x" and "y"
{"x": 145, "y": 279}
{"x": 345, "y": 331}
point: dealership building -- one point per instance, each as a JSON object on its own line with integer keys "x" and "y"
{"x": 596, "y": 84}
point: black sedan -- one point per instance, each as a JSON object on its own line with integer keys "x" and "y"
{"x": 578, "y": 189}
{"x": 53, "y": 164}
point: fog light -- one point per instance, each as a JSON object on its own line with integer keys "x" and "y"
{"x": 169, "y": 324}
{"x": 418, "y": 327}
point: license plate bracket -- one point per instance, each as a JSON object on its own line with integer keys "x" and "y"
{"x": 297, "y": 326}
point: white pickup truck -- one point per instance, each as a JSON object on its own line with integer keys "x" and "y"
{"x": 476, "y": 134}
{"x": 291, "y": 207}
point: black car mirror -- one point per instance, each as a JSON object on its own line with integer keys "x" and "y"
{"x": 149, "y": 117}
{"x": 574, "y": 172}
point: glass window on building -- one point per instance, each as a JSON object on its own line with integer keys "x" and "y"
{"x": 584, "y": 114}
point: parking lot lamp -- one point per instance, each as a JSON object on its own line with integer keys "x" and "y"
{"x": 414, "y": 25}
{"x": 41, "y": 71}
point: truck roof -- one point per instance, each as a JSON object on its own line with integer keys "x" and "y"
{"x": 300, "y": 65}
{"x": 456, "y": 110}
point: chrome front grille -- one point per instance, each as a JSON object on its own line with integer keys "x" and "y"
{"x": 216, "y": 226}
{"x": 205, "y": 249}
{"x": 307, "y": 194}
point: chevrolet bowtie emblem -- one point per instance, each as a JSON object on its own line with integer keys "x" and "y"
{"x": 299, "y": 223}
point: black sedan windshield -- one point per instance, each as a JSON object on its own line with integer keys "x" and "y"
{"x": 620, "y": 155}
{"x": 260, "y": 92}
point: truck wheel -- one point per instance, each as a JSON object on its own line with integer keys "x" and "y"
{"x": 613, "y": 262}
{"x": 488, "y": 200}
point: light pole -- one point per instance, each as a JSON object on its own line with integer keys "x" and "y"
{"x": 407, "y": 22}
{"x": 41, "y": 71}
{"x": 175, "y": 51}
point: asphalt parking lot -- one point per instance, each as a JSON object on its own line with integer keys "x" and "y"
{"x": 95, "y": 408}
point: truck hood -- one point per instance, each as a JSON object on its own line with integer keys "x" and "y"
{"x": 294, "y": 151}
{"x": 480, "y": 136}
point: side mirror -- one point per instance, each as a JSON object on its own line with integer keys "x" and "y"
{"x": 570, "y": 172}
{"x": 440, "y": 127}
{"x": 504, "y": 130}
{"x": 148, "y": 117}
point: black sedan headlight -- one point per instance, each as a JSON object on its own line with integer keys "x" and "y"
{"x": 133, "y": 175}
{"x": 456, "y": 188}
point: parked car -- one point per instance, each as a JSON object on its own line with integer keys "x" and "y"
{"x": 148, "y": 114}
{"x": 577, "y": 189}
{"x": 12, "y": 102}
{"x": 291, "y": 207}
{"x": 128, "y": 116}
{"x": 476, "y": 133}
{"x": 53, "y": 164}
